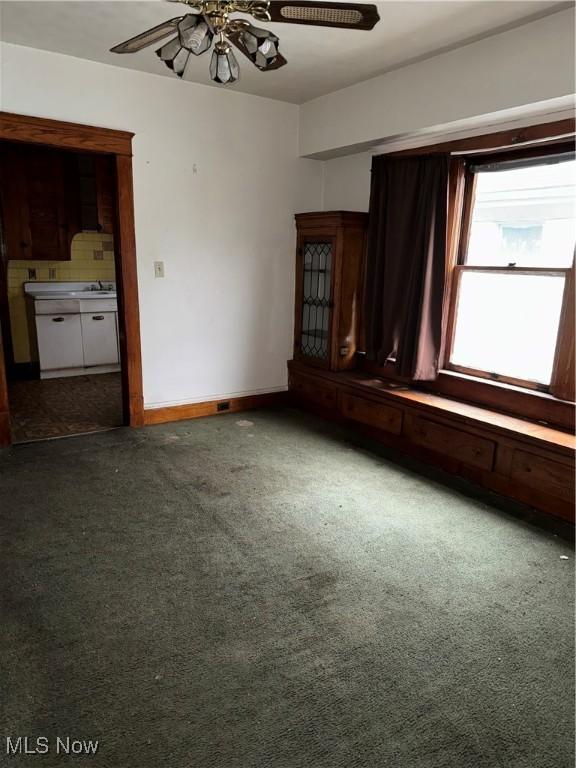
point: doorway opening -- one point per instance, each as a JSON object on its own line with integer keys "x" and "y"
{"x": 69, "y": 342}
{"x": 58, "y": 292}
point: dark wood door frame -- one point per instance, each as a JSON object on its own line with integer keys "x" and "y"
{"x": 85, "y": 138}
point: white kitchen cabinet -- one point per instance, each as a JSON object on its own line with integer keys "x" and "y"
{"x": 59, "y": 341}
{"x": 77, "y": 328}
{"x": 100, "y": 338}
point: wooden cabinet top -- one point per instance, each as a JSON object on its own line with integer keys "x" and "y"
{"x": 330, "y": 219}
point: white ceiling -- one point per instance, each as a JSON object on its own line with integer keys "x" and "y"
{"x": 320, "y": 60}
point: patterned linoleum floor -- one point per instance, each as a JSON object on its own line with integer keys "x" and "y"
{"x": 67, "y": 406}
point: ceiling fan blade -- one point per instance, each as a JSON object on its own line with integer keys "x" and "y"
{"x": 147, "y": 38}
{"x": 258, "y": 45}
{"x": 343, "y": 15}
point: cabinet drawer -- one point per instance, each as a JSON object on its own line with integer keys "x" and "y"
{"x": 463, "y": 446}
{"x": 544, "y": 474}
{"x": 374, "y": 414}
{"x": 314, "y": 391}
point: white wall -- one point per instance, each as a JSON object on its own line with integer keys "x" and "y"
{"x": 530, "y": 64}
{"x": 217, "y": 180}
{"x": 347, "y": 183}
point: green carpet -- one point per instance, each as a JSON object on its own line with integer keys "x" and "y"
{"x": 223, "y": 594}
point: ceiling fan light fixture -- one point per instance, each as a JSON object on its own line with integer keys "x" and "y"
{"x": 195, "y": 34}
{"x": 224, "y": 68}
{"x": 210, "y": 19}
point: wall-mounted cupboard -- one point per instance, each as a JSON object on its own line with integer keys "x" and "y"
{"x": 47, "y": 196}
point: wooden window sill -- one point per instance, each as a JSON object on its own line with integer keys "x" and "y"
{"x": 517, "y": 401}
{"x": 496, "y": 395}
{"x": 499, "y": 385}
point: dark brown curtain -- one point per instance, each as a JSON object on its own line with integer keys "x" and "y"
{"x": 406, "y": 263}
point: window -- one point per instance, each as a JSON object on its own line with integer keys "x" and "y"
{"x": 511, "y": 282}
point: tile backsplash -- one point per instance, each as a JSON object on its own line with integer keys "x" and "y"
{"x": 92, "y": 259}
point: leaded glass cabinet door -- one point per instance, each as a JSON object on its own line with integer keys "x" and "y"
{"x": 317, "y": 264}
{"x": 329, "y": 265}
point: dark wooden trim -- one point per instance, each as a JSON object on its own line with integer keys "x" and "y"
{"x": 5, "y": 323}
{"x": 479, "y": 373}
{"x": 6, "y": 353}
{"x": 214, "y": 407}
{"x": 510, "y": 139}
{"x": 563, "y": 374}
{"x": 326, "y": 220}
{"x": 56, "y": 133}
{"x": 455, "y": 220}
{"x": 5, "y": 430}
{"x": 529, "y": 152}
{"x": 132, "y": 391}
{"x": 469, "y": 197}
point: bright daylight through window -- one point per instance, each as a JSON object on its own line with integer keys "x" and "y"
{"x": 511, "y": 282}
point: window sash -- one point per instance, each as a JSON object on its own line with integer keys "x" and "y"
{"x": 458, "y": 271}
{"x": 465, "y": 177}
{"x": 461, "y": 206}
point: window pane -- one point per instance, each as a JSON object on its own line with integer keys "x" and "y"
{"x": 524, "y": 216}
{"x": 508, "y": 323}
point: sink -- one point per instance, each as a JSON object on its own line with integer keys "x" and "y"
{"x": 76, "y": 295}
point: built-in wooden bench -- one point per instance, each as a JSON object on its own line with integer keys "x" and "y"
{"x": 530, "y": 462}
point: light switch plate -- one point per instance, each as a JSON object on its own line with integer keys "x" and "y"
{"x": 158, "y": 269}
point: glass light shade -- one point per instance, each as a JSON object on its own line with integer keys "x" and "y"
{"x": 178, "y": 63}
{"x": 169, "y": 49}
{"x": 224, "y": 68}
{"x": 261, "y": 46}
{"x": 174, "y": 56}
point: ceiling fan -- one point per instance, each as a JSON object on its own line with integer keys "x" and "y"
{"x": 209, "y": 20}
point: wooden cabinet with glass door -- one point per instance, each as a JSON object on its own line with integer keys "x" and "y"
{"x": 329, "y": 270}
